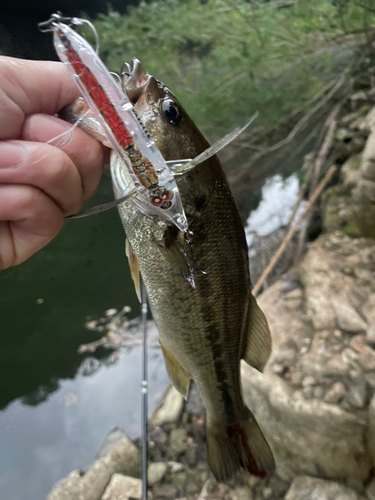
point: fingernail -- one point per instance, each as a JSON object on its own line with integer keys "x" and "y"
{"x": 12, "y": 154}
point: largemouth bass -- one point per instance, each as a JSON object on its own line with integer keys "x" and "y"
{"x": 198, "y": 283}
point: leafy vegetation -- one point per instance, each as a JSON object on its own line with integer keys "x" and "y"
{"x": 224, "y": 59}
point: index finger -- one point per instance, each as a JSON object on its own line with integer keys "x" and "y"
{"x": 29, "y": 87}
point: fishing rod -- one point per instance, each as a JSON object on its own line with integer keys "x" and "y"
{"x": 144, "y": 392}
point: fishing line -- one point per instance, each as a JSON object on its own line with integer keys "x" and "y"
{"x": 98, "y": 209}
{"x": 49, "y": 25}
{"x": 144, "y": 391}
{"x": 215, "y": 148}
{"x": 67, "y": 132}
{"x": 179, "y": 167}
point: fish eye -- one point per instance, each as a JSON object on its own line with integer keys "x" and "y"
{"x": 171, "y": 112}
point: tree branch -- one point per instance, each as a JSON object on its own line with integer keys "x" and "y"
{"x": 293, "y": 229}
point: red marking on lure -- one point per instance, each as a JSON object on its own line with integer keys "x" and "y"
{"x": 163, "y": 200}
{"x": 97, "y": 93}
{"x": 251, "y": 464}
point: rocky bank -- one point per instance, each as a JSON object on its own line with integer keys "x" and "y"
{"x": 315, "y": 400}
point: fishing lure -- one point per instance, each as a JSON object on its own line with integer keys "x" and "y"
{"x": 152, "y": 182}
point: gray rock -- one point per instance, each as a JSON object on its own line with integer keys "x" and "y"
{"x": 191, "y": 456}
{"x": 192, "y": 487}
{"x": 123, "y": 488}
{"x": 267, "y": 493}
{"x": 371, "y": 330}
{"x": 308, "y": 392}
{"x": 294, "y": 294}
{"x": 337, "y": 365}
{"x": 335, "y": 393}
{"x": 365, "y": 354}
{"x": 316, "y": 362}
{"x": 67, "y": 488}
{"x": 286, "y": 353}
{"x": 311, "y": 488}
{"x": 110, "y": 441}
{"x": 175, "y": 466}
{"x": 241, "y": 493}
{"x": 318, "y": 392}
{"x": 347, "y": 318}
{"x": 368, "y": 160}
{"x": 170, "y": 409}
{"x": 307, "y": 381}
{"x": 349, "y": 356}
{"x": 155, "y": 472}
{"x": 179, "y": 480}
{"x": 165, "y": 491}
{"x": 370, "y": 438}
{"x": 177, "y": 443}
{"x": 124, "y": 458}
{"x": 333, "y": 298}
{"x": 292, "y": 330}
{"x": 307, "y": 436}
{"x": 350, "y": 174}
{"x": 364, "y": 193}
{"x": 366, "y": 189}
{"x": 316, "y": 276}
{"x": 357, "y": 393}
{"x": 369, "y": 313}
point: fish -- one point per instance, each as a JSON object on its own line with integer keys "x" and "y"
{"x": 198, "y": 282}
{"x": 205, "y": 329}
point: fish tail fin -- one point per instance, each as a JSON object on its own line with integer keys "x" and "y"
{"x": 242, "y": 445}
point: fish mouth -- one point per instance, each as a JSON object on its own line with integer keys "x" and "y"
{"x": 134, "y": 79}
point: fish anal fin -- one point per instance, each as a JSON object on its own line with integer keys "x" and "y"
{"x": 258, "y": 339}
{"x": 178, "y": 375}
{"x": 134, "y": 268}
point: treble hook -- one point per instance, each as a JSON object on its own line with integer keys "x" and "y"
{"x": 124, "y": 73}
{"x": 116, "y": 77}
{"x": 49, "y": 25}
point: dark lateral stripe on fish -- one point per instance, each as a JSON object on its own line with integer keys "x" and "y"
{"x": 213, "y": 336}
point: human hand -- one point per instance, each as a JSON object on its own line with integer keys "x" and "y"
{"x": 40, "y": 183}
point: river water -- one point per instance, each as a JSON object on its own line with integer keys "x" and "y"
{"x": 58, "y": 405}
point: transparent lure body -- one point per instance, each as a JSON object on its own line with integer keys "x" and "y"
{"x": 153, "y": 180}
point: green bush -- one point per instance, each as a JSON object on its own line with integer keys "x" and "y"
{"x": 225, "y": 59}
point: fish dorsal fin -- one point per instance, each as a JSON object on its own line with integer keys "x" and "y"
{"x": 134, "y": 268}
{"x": 258, "y": 341}
{"x": 179, "y": 377}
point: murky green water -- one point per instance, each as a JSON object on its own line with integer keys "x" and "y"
{"x": 81, "y": 273}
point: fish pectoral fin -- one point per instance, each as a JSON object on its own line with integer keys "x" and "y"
{"x": 258, "y": 342}
{"x": 175, "y": 250}
{"x": 134, "y": 268}
{"x": 178, "y": 375}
